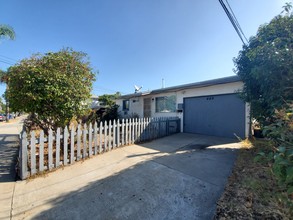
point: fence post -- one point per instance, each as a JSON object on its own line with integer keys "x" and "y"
{"x": 23, "y": 157}
{"x": 105, "y": 136}
{"x": 33, "y": 153}
{"x": 41, "y": 152}
{"x": 118, "y": 133}
{"x": 132, "y": 131}
{"x": 78, "y": 156}
{"x": 114, "y": 133}
{"x": 50, "y": 150}
{"x": 139, "y": 130}
{"x": 100, "y": 137}
{"x": 96, "y": 137}
{"x": 57, "y": 148}
{"x": 126, "y": 132}
{"x": 123, "y": 132}
{"x": 90, "y": 140}
{"x": 72, "y": 145}
{"x": 65, "y": 147}
{"x": 110, "y": 136}
{"x": 84, "y": 151}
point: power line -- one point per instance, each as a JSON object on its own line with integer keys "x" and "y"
{"x": 8, "y": 58}
{"x": 234, "y": 22}
{"x": 6, "y": 62}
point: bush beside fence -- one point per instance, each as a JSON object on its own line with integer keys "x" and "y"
{"x": 39, "y": 153}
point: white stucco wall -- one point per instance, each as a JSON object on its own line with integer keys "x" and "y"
{"x": 135, "y": 107}
{"x": 228, "y": 88}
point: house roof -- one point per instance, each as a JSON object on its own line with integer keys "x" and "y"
{"x": 224, "y": 80}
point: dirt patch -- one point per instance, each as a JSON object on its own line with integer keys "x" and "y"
{"x": 252, "y": 192}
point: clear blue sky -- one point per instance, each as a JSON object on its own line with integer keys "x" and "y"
{"x": 135, "y": 42}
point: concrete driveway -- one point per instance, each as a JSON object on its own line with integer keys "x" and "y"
{"x": 177, "y": 177}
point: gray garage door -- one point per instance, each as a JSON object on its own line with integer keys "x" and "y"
{"x": 220, "y": 115}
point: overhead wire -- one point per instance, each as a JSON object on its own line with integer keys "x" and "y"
{"x": 236, "y": 21}
{"x": 5, "y": 57}
{"x": 6, "y": 62}
{"x": 233, "y": 22}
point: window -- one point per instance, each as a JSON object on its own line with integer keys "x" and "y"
{"x": 125, "y": 106}
{"x": 166, "y": 104}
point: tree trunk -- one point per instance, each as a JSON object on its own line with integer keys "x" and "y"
{"x": 7, "y": 105}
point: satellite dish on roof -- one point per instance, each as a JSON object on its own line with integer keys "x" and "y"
{"x": 137, "y": 89}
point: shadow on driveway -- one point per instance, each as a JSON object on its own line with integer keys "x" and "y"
{"x": 8, "y": 154}
{"x": 185, "y": 183}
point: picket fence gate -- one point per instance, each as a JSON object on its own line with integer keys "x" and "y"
{"x": 39, "y": 153}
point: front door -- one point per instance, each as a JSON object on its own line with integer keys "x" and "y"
{"x": 147, "y": 112}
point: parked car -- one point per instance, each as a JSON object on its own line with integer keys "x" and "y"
{"x": 2, "y": 117}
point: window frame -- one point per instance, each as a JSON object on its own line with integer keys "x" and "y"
{"x": 162, "y": 104}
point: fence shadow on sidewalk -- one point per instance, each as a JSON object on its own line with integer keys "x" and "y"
{"x": 9, "y": 146}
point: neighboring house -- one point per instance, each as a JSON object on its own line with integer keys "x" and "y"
{"x": 210, "y": 107}
{"x": 95, "y": 104}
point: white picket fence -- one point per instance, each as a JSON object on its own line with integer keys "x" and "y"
{"x": 39, "y": 153}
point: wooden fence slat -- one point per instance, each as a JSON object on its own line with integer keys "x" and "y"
{"x": 110, "y": 136}
{"x": 90, "y": 140}
{"x": 65, "y": 146}
{"x": 100, "y": 137}
{"x": 84, "y": 152}
{"x": 33, "y": 153}
{"x": 139, "y": 130}
{"x": 23, "y": 156}
{"x": 50, "y": 150}
{"x": 136, "y": 131}
{"x": 123, "y": 133}
{"x": 41, "y": 152}
{"x": 72, "y": 144}
{"x": 114, "y": 133}
{"x": 57, "y": 148}
{"x": 105, "y": 136}
{"x": 129, "y": 132}
{"x": 78, "y": 155}
{"x": 118, "y": 133}
{"x": 132, "y": 130}
{"x": 96, "y": 138}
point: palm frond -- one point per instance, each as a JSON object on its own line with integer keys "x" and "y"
{"x": 7, "y": 31}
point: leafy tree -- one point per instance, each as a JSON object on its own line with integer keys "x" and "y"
{"x": 2, "y": 105}
{"x": 4, "y": 79}
{"x": 7, "y": 32}
{"x": 53, "y": 87}
{"x": 111, "y": 111}
{"x": 266, "y": 67}
{"x": 109, "y": 99}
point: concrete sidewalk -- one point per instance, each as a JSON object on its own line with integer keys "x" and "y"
{"x": 9, "y": 144}
{"x": 177, "y": 177}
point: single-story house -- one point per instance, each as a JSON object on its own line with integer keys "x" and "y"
{"x": 95, "y": 104}
{"x": 211, "y": 107}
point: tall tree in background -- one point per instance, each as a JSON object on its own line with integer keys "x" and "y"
{"x": 4, "y": 79}
{"x": 7, "y": 32}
